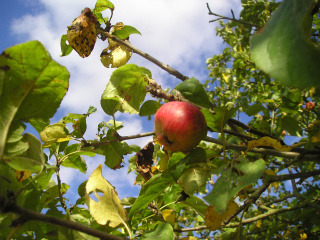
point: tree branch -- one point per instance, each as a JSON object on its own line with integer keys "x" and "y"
{"x": 118, "y": 139}
{"x": 269, "y": 213}
{"x": 313, "y": 156}
{"x": 143, "y": 54}
{"x": 228, "y": 18}
{"x": 10, "y": 205}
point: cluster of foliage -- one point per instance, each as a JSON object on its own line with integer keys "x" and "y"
{"x": 256, "y": 181}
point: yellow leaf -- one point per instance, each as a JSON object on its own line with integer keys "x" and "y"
{"x": 169, "y": 216}
{"x": 189, "y": 238}
{"x": 214, "y": 220}
{"x": 115, "y": 56}
{"x": 268, "y": 142}
{"x": 270, "y": 172}
{"x": 259, "y": 223}
{"x": 22, "y": 175}
{"x": 82, "y": 33}
{"x": 108, "y": 209}
{"x": 315, "y": 138}
{"x": 303, "y": 236}
{"x": 64, "y": 139}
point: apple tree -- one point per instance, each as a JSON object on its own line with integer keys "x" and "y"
{"x": 255, "y": 175}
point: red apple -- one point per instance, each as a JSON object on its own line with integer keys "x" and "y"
{"x": 310, "y": 106}
{"x": 179, "y": 126}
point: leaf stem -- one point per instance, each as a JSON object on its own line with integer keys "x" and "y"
{"x": 143, "y": 54}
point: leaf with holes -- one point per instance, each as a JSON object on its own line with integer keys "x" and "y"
{"x": 108, "y": 209}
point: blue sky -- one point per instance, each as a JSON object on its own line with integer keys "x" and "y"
{"x": 176, "y": 32}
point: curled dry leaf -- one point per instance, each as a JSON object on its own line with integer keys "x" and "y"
{"x": 144, "y": 161}
{"x": 82, "y": 33}
{"x": 108, "y": 209}
{"x": 268, "y": 142}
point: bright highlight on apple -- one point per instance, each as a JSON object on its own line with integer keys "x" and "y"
{"x": 179, "y": 126}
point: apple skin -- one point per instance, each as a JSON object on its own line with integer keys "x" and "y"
{"x": 179, "y": 126}
{"x": 310, "y": 106}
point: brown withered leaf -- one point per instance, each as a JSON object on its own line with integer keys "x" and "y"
{"x": 144, "y": 161}
{"x": 82, "y": 33}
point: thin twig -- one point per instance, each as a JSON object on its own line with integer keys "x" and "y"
{"x": 228, "y": 18}
{"x": 63, "y": 203}
{"x": 118, "y": 139}
{"x": 143, "y": 54}
{"x": 272, "y": 152}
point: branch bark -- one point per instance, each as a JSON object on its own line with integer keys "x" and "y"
{"x": 165, "y": 67}
{"x": 9, "y": 205}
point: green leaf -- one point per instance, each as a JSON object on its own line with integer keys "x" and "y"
{"x": 32, "y": 160}
{"x": 254, "y": 109}
{"x": 114, "y": 152}
{"x": 66, "y": 49}
{"x": 192, "y": 179}
{"x": 218, "y": 120}
{"x": 39, "y": 124}
{"x": 125, "y": 32}
{"x": 33, "y": 86}
{"x": 125, "y": 90}
{"x": 163, "y": 231}
{"x": 153, "y": 188}
{"x": 149, "y": 108}
{"x": 291, "y": 125}
{"x": 283, "y": 48}
{"x": 52, "y": 193}
{"x": 79, "y": 124}
{"x": 53, "y": 133}
{"x": 197, "y": 204}
{"x": 193, "y": 90}
{"x": 102, "y": 5}
{"x": 229, "y": 184}
{"x": 8, "y": 181}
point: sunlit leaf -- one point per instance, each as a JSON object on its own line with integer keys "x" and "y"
{"x": 192, "y": 179}
{"x": 125, "y": 32}
{"x": 168, "y": 215}
{"x": 268, "y": 142}
{"x": 53, "y": 133}
{"x": 229, "y": 183}
{"x": 102, "y": 5}
{"x": 214, "y": 219}
{"x": 66, "y": 49}
{"x": 149, "y": 191}
{"x": 193, "y": 90}
{"x": 33, "y": 86}
{"x": 126, "y": 89}
{"x": 108, "y": 209}
{"x": 163, "y": 231}
{"x": 32, "y": 160}
{"x": 149, "y": 108}
{"x": 218, "y": 120}
{"x": 115, "y": 56}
